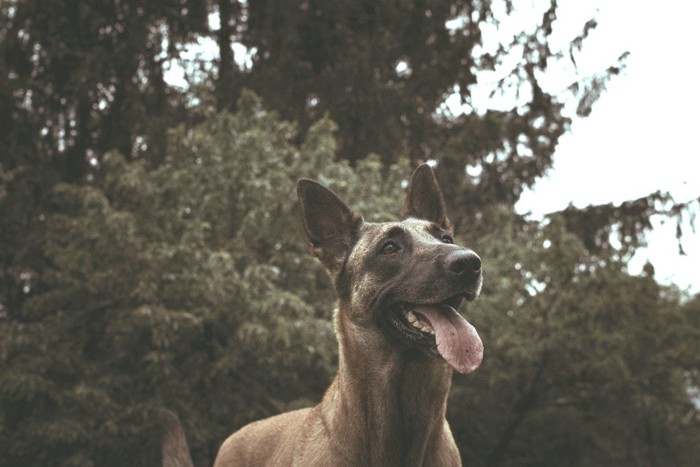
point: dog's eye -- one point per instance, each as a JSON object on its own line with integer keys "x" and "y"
{"x": 447, "y": 239}
{"x": 390, "y": 248}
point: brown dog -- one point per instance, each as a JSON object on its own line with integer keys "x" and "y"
{"x": 398, "y": 286}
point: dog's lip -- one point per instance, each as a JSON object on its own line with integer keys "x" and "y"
{"x": 454, "y": 301}
{"x": 470, "y": 296}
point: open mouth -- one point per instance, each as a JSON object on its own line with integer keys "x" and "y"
{"x": 439, "y": 328}
{"x": 419, "y": 322}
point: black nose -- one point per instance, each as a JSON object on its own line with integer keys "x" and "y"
{"x": 463, "y": 262}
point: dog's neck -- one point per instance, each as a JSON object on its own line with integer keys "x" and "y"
{"x": 387, "y": 403}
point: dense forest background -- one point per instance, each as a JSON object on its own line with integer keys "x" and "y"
{"x": 151, "y": 252}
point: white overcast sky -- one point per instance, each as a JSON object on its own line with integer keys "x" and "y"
{"x": 641, "y": 135}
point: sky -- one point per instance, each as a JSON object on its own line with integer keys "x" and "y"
{"x": 640, "y": 137}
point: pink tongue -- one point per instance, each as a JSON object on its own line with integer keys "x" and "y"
{"x": 457, "y": 340}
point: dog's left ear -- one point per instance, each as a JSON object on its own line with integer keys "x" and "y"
{"x": 328, "y": 223}
{"x": 424, "y": 199}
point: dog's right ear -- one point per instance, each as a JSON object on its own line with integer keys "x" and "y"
{"x": 328, "y": 223}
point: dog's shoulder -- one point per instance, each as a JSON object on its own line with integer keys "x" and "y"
{"x": 260, "y": 442}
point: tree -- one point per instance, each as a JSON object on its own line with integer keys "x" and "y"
{"x": 583, "y": 360}
{"x": 78, "y": 80}
{"x": 86, "y": 78}
{"x": 384, "y": 71}
{"x": 70, "y": 95}
{"x": 187, "y": 286}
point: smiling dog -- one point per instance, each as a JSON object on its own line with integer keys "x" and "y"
{"x": 400, "y": 337}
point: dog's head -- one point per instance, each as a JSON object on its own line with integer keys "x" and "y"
{"x": 407, "y": 278}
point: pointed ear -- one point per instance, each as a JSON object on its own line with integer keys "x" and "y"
{"x": 424, "y": 199}
{"x": 328, "y": 223}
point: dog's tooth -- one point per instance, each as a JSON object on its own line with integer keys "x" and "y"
{"x": 418, "y": 324}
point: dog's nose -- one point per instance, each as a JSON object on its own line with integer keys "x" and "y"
{"x": 463, "y": 262}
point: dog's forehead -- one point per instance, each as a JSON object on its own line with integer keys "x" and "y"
{"x": 375, "y": 232}
{"x": 419, "y": 226}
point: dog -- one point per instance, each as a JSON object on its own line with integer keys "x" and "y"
{"x": 398, "y": 286}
